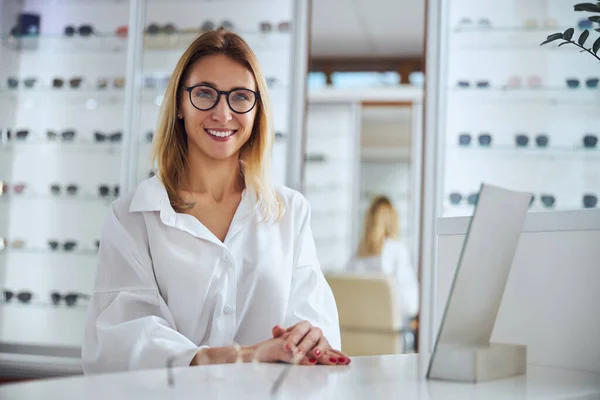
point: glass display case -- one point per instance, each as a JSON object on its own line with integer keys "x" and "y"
{"x": 514, "y": 113}
{"x": 81, "y": 82}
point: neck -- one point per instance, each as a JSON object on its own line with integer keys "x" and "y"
{"x": 216, "y": 178}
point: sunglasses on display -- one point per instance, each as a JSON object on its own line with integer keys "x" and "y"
{"x": 484, "y": 139}
{"x": 315, "y": 158}
{"x": 151, "y": 82}
{"x": 20, "y": 134}
{"x": 516, "y": 82}
{"x": 457, "y": 198}
{"x": 104, "y": 190}
{"x": 74, "y": 83}
{"x": 156, "y": 29}
{"x": 590, "y": 141}
{"x": 13, "y": 83}
{"x": 585, "y": 24}
{"x": 110, "y": 137}
{"x": 67, "y": 135}
{"x": 117, "y": 83}
{"x": 574, "y": 83}
{"x": 70, "y": 299}
{"x": 478, "y": 84}
{"x": 18, "y": 188}
{"x": 469, "y": 23}
{"x": 590, "y": 201}
{"x": 23, "y": 297}
{"x": 532, "y": 23}
{"x": 266, "y": 27}
{"x": 522, "y": 140}
{"x": 122, "y": 31}
{"x": 205, "y": 97}
{"x": 71, "y": 189}
{"x": 16, "y": 244}
{"x": 548, "y": 200}
{"x": 69, "y": 245}
{"x": 82, "y": 30}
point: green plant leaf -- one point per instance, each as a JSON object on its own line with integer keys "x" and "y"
{"x": 583, "y": 37}
{"x": 596, "y": 46}
{"x": 568, "y": 34}
{"x": 552, "y": 38}
{"x": 590, "y": 7}
{"x": 563, "y": 43}
{"x": 595, "y": 18}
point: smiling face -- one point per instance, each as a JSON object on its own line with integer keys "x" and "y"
{"x": 217, "y": 133}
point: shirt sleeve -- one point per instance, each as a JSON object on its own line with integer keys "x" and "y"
{"x": 128, "y": 324}
{"x": 311, "y": 297}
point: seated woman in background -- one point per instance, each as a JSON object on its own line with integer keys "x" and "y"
{"x": 381, "y": 251}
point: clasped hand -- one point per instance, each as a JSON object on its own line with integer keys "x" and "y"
{"x": 301, "y": 343}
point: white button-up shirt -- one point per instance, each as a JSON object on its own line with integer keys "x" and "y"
{"x": 165, "y": 285}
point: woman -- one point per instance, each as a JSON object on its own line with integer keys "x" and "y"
{"x": 380, "y": 251}
{"x": 207, "y": 262}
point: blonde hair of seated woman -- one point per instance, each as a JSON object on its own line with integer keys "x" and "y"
{"x": 380, "y": 250}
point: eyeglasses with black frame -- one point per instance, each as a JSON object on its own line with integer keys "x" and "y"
{"x": 205, "y": 97}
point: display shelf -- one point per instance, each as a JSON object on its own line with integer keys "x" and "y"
{"x": 78, "y": 146}
{"x": 48, "y": 251}
{"x": 42, "y": 304}
{"x": 79, "y": 198}
{"x": 533, "y": 152}
{"x": 535, "y": 31}
{"x": 519, "y": 97}
{"x": 58, "y": 42}
{"x": 110, "y": 42}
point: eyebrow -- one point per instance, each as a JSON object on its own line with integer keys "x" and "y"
{"x": 214, "y": 85}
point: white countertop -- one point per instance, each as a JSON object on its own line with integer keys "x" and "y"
{"x": 380, "y": 377}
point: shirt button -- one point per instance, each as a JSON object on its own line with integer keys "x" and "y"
{"x": 228, "y": 309}
{"x": 225, "y": 257}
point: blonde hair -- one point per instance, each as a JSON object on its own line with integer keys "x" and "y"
{"x": 381, "y": 223}
{"x": 170, "y": 146}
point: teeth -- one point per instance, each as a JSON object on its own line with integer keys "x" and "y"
{"x": 220, "y": 133}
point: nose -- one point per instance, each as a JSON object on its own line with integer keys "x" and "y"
{"x": 221, "y": 112}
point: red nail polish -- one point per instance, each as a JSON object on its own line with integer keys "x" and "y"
{"x": 317, "y": 352}
{"x": 333, "y": 360}
{"x": 288, "y": 347}
{"x": 341, "y": 359}
{"x": 312, "y": 360}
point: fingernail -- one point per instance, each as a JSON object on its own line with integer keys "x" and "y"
{"x": 312, "y": 360}
{"x": 287, "y": 347}
{"x": 341, "y": 359}
{"x": 349, "y": 361}
{"x": 317, "y": 352}
{"x": 333, "y": 360}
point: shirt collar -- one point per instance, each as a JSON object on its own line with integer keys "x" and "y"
{"x": 150, "y": 195}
